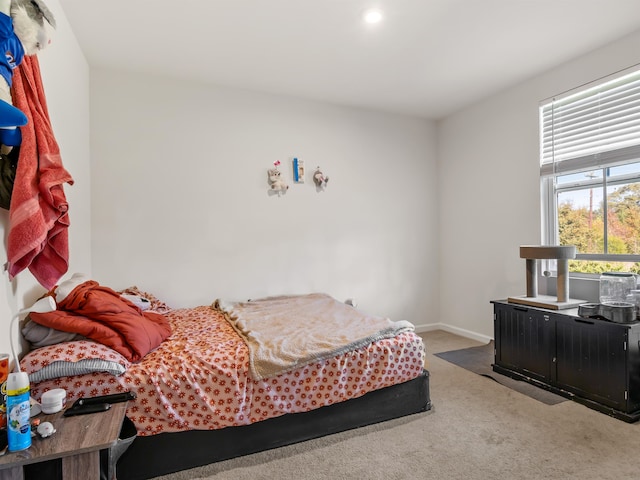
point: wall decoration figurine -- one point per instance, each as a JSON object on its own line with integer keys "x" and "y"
{"x": 320, "y": 179}
{"x": 276, "y": 181}
{"x": 25, "y": 29}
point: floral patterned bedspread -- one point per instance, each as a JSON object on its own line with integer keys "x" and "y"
{"x": 199, "y": 378}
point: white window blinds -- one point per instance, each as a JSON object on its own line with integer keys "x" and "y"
{"x": 595, "y": 127}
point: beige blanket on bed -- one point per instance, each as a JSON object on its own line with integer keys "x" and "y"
{"x": 287, "y": 332}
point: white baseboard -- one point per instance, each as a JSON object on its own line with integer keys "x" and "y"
{"x": 455, "y": 330}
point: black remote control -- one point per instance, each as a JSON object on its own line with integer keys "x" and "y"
{"x": 85, "y": 409}
{"x": 114, "y": 398}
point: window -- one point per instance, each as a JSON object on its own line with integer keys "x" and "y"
{"x": 590, "y": 173}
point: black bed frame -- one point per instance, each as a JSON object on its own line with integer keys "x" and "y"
{"x": 156, "y": 455}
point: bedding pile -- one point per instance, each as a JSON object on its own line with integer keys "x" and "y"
{"x": 101, "y": 314}
{"x": 289, "y": 331}
{"x": 200, "y": 378}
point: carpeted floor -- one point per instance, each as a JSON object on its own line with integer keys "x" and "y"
{"x": 479, "y": 360}
{"x": 478, "y": 429}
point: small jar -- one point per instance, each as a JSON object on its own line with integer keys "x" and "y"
{"x": 616, "y": 286}
{"x": 53, "y": 401}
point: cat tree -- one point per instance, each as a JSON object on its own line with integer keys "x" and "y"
{"x": 533, "y": 254}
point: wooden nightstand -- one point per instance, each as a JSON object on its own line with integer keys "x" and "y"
{"x": 77, "y": 441}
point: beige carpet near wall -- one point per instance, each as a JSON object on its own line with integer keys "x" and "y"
{"x": 477, "y": 429}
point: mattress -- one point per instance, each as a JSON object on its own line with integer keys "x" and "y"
{"x": 199, "y": 378}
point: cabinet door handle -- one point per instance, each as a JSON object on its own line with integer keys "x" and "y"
{"x": 580, "y": 320}
{"x": 522, "y": 309}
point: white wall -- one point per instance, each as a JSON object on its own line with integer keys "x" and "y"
{"x": 489, "y": 188}
{"x": 65, "y": 76}
{"x": 180, "y": 202}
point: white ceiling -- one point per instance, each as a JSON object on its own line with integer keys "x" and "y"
{"x": 427, "y": 57}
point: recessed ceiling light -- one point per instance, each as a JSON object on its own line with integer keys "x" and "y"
{"x": 373, "y": 16}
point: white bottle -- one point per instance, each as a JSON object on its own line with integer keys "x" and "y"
{"x": 18, "y": 411}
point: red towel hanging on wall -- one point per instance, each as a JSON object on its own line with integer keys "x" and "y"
{"x": 38, "y": 215}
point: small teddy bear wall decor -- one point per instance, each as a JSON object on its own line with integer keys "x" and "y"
{"x": 320, "y": 179}
{"x": 276, "y": 181}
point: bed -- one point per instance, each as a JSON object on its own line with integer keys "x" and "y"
{"x": 203, "y": 394}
